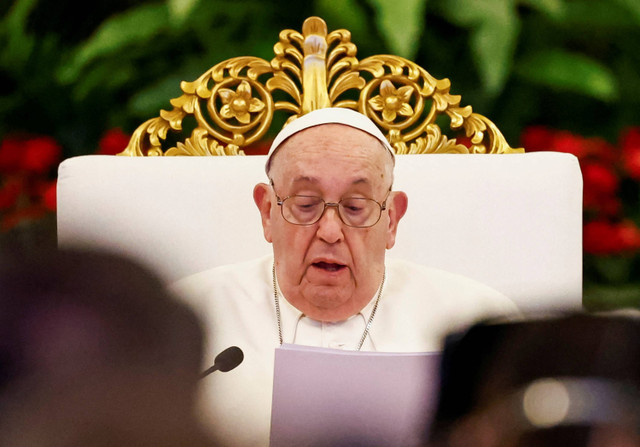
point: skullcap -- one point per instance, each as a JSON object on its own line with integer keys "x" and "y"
{"x": 336, "y": 115}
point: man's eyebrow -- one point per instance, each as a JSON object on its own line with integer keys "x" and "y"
{"x": 360, "y": 180}
{"x": 307, "y": 179}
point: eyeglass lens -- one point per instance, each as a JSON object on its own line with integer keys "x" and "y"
{"x": 354, "y": 211}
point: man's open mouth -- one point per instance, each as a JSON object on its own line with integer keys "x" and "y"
{"x": 329, "y": 266}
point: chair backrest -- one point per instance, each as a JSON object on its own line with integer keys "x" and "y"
{"x": 511, "y": 221}
{"x": 237, "y": 102}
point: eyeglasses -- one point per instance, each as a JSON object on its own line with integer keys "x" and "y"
{"x": 355, "y": 212}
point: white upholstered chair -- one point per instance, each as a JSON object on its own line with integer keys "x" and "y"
{"x": 509, "y": 219}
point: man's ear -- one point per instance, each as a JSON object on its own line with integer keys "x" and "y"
{"x": 263, "y": 198}
{"x": 396, "y": 205}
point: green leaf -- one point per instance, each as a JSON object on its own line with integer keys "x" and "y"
{"x": 588, "y": 15}
{"x": 135, "y": 26}
{"x": 494, "y": 29}
{"x": 553, "y": 8}
{"x": 16, "y": 44}
{"x": 346, "y": 14}
{"x": 104, "y": 77}
{"x": 149, "y": 101}
{"x": 493, "y": 44}
{"x": 569, "y": 72}
{"x": 632, "y": 6}
{"x": 471, "y": 13}
{"x": 599, "y": 298}
{"x": 180, "y": 10}
{"x": 16, "y": 19}
{"x": 401, "y": 23}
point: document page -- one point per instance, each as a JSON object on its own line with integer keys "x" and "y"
{"x": 333, "y": 397}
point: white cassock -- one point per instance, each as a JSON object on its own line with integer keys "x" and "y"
{"x": 417, "y": 308}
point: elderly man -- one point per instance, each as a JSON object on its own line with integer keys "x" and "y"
{"x": 330, "y": 213}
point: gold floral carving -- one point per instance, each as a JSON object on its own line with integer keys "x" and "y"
{"x": 233, "y": 103}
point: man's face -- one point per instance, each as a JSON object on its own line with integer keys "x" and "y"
{"x": 329, "y": 270}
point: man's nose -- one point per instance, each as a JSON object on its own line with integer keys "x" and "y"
{"x": 330, "y": 225}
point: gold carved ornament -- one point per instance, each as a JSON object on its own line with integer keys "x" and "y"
{"x": 233, "y": 102}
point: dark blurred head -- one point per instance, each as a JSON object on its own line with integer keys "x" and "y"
{"x": 559, "y": 381}
{"x": 93, "y": 341}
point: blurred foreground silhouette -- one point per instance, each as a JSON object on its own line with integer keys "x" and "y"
{"x": 94, "y": 352}
{"x": 565, "y": 381}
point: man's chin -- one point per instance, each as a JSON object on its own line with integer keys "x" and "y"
{"x": 332, "y": 315}
{"x": 329, "y": 303}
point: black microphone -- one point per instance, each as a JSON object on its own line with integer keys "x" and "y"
{"x": 225, "y": 361}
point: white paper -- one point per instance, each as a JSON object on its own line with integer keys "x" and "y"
{"x": 332, "y": 397}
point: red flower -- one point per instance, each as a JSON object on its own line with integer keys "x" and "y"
{"x": 607, "y": 206}
{"x": 599, "y": 178}
{"x": 602, "y": 150}
{"x": 630, "y": 143}
{"x": 10, "y": 192}
{"x": 259, "y": 148}
{"x": 465, "y": 141}
{"x": 11, "y": 153}
{"x": 40, "y": 154}
{"x": 631, "y": 162}
{"x": 629, "y": 235}
{"x": 113, "y": 142}
{"x": 49, "y": 196}
{"x": 597, "y": 237}
{"x": 600, "y": 187}
{"x": 572, "y": 144}
{"x": 630, "y": 138}
{"x": 537, "y": 138}
{"x": 606, "y": 238}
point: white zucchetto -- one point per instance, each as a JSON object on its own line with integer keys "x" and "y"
{"x": 330, "y": 115}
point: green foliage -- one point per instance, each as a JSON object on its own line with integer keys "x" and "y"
{"x": 602, "y": 298}
{"x": 493, "y": 50}
{"x": 134, "y": 27}
{"x": 400, "y": 22}
{"x": 569, "y": 64}
{"x": 552, "y": 8}
{"x": 562, "y": 70}
{"x": 16, "y": 43}
{"x": 494, "y": 28}
{"x": 590, "y": 16}
{"x": 632, "y": 7}
{"x": 499, "y": 54}
{"x": 180, "y": 10}
{"x": 347, "y": 14}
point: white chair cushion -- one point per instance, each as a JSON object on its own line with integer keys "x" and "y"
{"x": 512, "y": 221}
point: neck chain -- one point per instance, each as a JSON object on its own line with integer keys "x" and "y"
{"x": 366, "y": 329}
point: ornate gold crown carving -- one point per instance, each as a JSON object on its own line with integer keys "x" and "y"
{"x": 233, "y": 102}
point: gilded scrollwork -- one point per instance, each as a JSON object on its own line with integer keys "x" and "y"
{"x": 392, "y": 102}
{"x": 239, "y": 104}
{"x": 233, "y": 103}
